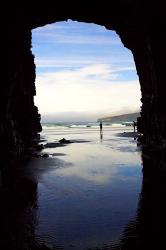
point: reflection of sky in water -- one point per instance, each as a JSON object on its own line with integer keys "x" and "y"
{"x": 88, "y": 202}
{"x": 95, "y": 163}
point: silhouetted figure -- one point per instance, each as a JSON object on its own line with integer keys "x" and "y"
{"x": 134, "y": 125}
{"x": 101, "y": 127}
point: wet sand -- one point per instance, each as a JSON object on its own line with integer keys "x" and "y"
{"x": 129, "y": 134}
{"x": 88, "y": 190}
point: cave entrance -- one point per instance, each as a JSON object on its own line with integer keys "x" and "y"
{"x": 83, "y": 73}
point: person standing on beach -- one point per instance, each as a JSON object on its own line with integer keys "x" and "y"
{"x": 134, "y": 125}
{"x": 101, "y": 127}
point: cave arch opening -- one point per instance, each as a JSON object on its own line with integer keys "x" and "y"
{"x": 83, "y": 73}
{"x": 92, "y": 72}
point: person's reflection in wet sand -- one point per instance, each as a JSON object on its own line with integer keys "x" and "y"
{"x": 101, "y": 131}
{"x": 101, "y": 136}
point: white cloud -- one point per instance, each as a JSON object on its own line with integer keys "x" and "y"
{"x": 78, "y": 62}
{"x": 88, "y": 89}
{"x": 76, "y": 79}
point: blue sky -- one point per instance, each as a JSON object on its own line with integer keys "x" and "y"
{"x": 83, "y": 70}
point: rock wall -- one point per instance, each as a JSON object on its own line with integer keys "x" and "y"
{"x": 149, "y": 53}
{"x": 141, "y": 26}
{"x": 20, "y": 121}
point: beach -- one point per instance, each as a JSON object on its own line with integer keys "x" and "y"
{"x": 88, "y": 188}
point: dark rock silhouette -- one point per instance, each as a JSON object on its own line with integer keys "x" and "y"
{"x": 63, "y": 140}
{"x": 45, "y": 155}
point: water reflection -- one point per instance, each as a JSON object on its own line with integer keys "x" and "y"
{"x": 20, "y": 203}
{"x": 101, "y": 136}
{"x": 147, "y": 230}
{"x": 88, "y": 203}
{"x": 99, "y": 164}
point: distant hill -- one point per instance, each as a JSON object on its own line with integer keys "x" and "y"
{"x": 121, "y": 118}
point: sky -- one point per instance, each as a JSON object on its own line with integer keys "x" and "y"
{"x": 83, "y": 72}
